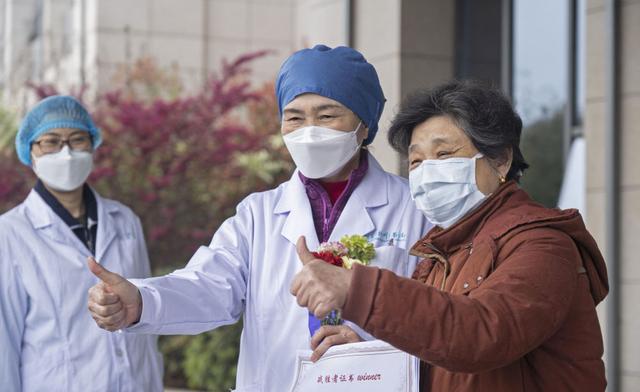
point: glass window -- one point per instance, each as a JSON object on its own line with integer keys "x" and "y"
{"x": 540, "y": 57}
{"x": 540, "y": 80}
{"x": 479, "y": 40}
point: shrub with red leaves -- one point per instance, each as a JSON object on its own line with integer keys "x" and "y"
{"x": 14, "y": 180}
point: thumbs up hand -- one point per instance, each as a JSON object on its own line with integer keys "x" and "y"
{"x": 115, "y": 302}
{"x": 319, "y": 286}
{"x": 304, "y": 253}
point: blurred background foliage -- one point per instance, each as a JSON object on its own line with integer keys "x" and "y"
{"x": 7, "y": 128}
{"x": 182, "y": 161}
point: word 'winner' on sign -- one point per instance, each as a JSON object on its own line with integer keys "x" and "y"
{"x": 366, "y": 366}
{"x": 328, "y": 379}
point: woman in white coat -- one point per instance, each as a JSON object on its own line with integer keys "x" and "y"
{"x": 48, "y": 340}
{"x": 330, "y": 101}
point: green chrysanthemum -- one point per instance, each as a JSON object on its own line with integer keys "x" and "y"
{"x": 359, "y": 248}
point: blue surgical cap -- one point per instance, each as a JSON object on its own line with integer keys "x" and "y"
{"x": 341, "y": 74}
{"x": 58, "y": 111}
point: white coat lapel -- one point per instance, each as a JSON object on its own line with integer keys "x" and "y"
{"x": 106, "y": 226}
{"x": 371, "y": 192}
{"x": 354, "y": 219}
{"x": 299, "y": 220}
{"x": 45, "y": 220}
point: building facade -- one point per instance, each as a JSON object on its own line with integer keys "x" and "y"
{"x": 84, "y": 42}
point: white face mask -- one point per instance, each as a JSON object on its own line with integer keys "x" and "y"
{"x": 445, "y": 190}
{"x": 65, "y": 170}
{"x": 321, "y": 152}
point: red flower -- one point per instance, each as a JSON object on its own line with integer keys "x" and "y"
{"x": 329, "y": 258}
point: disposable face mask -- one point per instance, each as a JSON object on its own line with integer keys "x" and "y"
{"x": 65, "y": 170}
{"x": 321, "y": 152}
{"x": 445, "y": 190}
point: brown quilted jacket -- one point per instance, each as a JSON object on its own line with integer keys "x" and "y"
{"x": 504, "y": 300}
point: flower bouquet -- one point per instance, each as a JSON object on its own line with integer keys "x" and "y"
{"x": 351, "y": 249}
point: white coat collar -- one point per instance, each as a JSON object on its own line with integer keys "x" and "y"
{"x": 43, "y": 218}
{"x": 38, "y": 211}
{"x": 355, "y": 219}
{"x": 107, "y": 210}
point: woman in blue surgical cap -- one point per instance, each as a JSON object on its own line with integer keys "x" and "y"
{"x": 48, "y": 340}
{"x": 330, "y": 101}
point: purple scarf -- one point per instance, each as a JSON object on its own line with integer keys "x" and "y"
{"x": 325, "y": 214}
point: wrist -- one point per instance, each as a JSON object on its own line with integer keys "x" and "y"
{"x": 348, "y": 274}
{"x": 139, "y": 307}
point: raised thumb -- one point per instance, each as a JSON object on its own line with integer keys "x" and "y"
{"x": 303, "y": 252}
{"x": 102, "y": 273}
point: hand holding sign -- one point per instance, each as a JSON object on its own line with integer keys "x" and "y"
{"x": 328, "y": 336}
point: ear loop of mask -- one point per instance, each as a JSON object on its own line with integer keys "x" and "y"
{"x": 358, "y": 127}
{"x": 356, "y": 132}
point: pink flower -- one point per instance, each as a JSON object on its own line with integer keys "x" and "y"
{"x": 336, "y": 248}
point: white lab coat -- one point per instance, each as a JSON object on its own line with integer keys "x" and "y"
{"x": 249, "y": 265}
{"x": 48, "y": 340}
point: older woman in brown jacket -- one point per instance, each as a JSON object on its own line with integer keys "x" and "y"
{"x": 504, "y": 298}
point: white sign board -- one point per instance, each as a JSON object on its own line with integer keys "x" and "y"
{"x": 372, "y": 366}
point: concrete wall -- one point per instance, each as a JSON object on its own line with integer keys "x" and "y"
{"x": 96, "y": 38}
{"x": 630, "y": 193}
{"x": 321, "y": 21}
{"x": 595, "y": 131}
{"x": 205, "y": 33}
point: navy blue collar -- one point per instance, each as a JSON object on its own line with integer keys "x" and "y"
{"x": 90, "y": 204}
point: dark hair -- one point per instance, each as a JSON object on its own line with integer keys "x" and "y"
{"x": 481, "y": 111}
